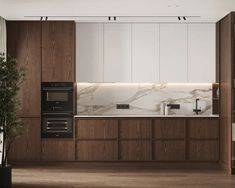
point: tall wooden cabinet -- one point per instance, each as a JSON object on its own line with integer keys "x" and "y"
{"x": 58, "y": 51}
{"x": 24, "y": 43}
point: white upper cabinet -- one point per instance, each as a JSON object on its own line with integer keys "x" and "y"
{"x": 117, "y": 52}
{"x": 145, "y": 53}
{"x": 173, "y": 53}
{"x": 201, "y": 53}
{"x": 89, "y": 52}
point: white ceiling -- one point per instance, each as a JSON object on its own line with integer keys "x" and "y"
{"x": 81, "y": 10}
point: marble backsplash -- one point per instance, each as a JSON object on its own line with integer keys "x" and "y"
{"x": 101, "y": 99}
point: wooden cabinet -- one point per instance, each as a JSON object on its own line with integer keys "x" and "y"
{"x": 96, "y": 129}
{"x": 203, "y": 140}
{"x": 135, "y": 150}
{"x": 201, "y": 53}
{"x": 24, "y": 44}
{"x": 117, "y": 52}
{"x": 203, "y": 129}
{"x": 173, "y": 53}
{"x": 169, "y": 129}
{"x": 203, "y": 150}
{"x": 169, "y": 150}
{"x": 135, "y": 129}
{"x": 99, "y": 150}
{"x": 58, "y": 51}
{"x": 145, "y": 53}
{"x": 58, "y": 150}
{"x": 28, "y": 147}
{"x": 89, "y": 52}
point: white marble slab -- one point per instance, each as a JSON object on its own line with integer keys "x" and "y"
{"x": 144, "y": 99}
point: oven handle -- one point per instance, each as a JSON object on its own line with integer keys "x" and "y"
{"x": 57, "y": 89}
{"x": 55, "y": 122}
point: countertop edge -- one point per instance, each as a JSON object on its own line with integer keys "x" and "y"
{"x": 146, "y": 116}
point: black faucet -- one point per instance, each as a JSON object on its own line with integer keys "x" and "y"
{"x": 196, "y": 110}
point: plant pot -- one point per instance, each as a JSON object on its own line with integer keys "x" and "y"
{"x": 5, "y": 177}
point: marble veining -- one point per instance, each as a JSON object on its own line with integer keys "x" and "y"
{"x": 101, "y": 99}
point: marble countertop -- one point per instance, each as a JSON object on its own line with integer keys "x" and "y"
{"x": 143, "y": 115}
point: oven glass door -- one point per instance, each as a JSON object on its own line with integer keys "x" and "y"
{"x": 57, "y": 100}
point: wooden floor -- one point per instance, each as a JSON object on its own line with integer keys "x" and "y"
{"x": 106, "y": 175}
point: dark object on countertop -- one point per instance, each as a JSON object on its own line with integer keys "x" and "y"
{"x": 122, "y": 106}
{"x": 197, "y": 110}
{"x": 174, "y": 106}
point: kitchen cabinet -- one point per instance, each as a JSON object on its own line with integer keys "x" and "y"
{"x": 99, "y": 150}
{"x": 173, "y": 53}
{"x": 135, "y": 129}
{"x": 96, "y": 129}
{"x": 58, "y": 51}
{"x": 201, "y": 53}
{"x": 58, "y": 150}
{"x": 135, "y": 150}
{"x": 89, "y": 52}
{"x": 145, "y": 53}
{"x": 28, "y": 147}
{"x": 24, "y": 44}
{"x": 117, "y": 52}
{"x": 169, "y": 150}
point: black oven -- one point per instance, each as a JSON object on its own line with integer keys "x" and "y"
{"x": 57, "y": 96}
{"x": 57, "y": 109}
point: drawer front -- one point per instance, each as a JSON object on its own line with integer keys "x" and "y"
{"x": 96, "y": 151}
{"x": 96, "y": 129}
{"x": 203, "y": 150}
{"x": 56, "y": 150}
{"x": 135, "y": 150}
{"x": 169, "y": 129}
{"x": 203, "y": 128}
{"x": 169, "y": 150}
{"x": 135, "y": 129}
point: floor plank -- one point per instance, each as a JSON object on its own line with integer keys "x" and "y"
{"x": 93, "y": 175}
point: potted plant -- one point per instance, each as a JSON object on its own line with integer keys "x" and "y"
{"x": 11, "y": 75}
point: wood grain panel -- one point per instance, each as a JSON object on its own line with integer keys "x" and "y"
{"x": 203, "y": 128}
{"x": 96, "y": 129}
{"x": 135, "y": 128}
{"x": 203, "y": 150}
{"x": 169, "y": 150}
{"x": 24, "y": 43}
{"x": 226, "y": 61}
{"x": 58, "y": 51}
{"x": 135, "y": 150}
{"x": 28, "y": 147}
{"x": 58, "y": 150}
{"x": 96, "y": 151}
{"x": 169, "y": 128}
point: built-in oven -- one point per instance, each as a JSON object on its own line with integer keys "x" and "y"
{"x": 57, "y": 126}
{"x": 57, "y": 109}
{"x": 57, "y": 96}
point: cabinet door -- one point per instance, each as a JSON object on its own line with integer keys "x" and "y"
{"x": 96, "y": 129}
{"x": 58, "y": 150}
{"x": 117, "y": 52}
{"x": 145, "y": 53}
{"x": 58, "y": 51}
{"x": 201, "y": 53}
{"x": 28, "y": 146}
{"x": 105, "y": 150}
{"x": 169, "y": 129}
{"x": 135, "y": 129}
{"x": 173, "y": 53}
{"x": 203, "y": 128}
{"x": 203, "y": 150}
{"x": 135, "y": 150}
{"x": 24, "y": 44}
{"x": 169, "y": 150}
{"x": 89, "y": 52}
